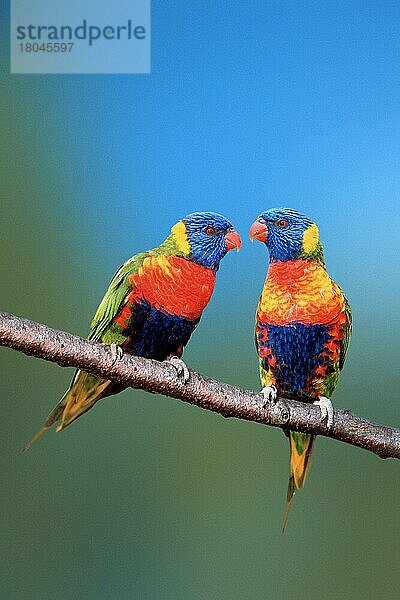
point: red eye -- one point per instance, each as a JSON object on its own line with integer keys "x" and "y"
{"x": 210, "y": 230}
{"x": 282, "y": 223}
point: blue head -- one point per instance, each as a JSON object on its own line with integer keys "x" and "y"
{"x": 205, "y": 238}
{"x": 287, "y": 234}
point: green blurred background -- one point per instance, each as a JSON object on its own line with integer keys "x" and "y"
{"x": 247, "y": 107}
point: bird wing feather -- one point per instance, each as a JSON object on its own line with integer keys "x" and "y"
{"x": 346, "y": 333}
{"x": 114, "y": 298}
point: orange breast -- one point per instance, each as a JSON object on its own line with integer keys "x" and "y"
{"x": 174, "y": 285}
{"x": 299, "y": 291}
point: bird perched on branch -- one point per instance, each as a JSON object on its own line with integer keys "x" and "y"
{"x": 152, "y": 306}
{"x": 303, "y": 326}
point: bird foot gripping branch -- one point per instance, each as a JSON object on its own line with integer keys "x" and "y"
{"x": 180, "y": 367}
{"x": 326, "y": 410}
{"x": 116, "y": 352}
{"x": 270, "y": 394}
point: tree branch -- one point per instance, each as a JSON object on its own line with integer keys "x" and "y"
{"x": 132, "y": 371}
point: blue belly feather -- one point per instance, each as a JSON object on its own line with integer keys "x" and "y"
{"x": 299, "y": 349}
{"x": 156, "y": 334}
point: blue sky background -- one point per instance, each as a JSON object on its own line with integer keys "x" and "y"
{"x": 249, "y": 105}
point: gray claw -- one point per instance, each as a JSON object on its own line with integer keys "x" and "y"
{"x": 270, "y": 394}
{"x": 180, "y": 367}
{"x": 116, "y": 352}
{"x": 326, "y": 410}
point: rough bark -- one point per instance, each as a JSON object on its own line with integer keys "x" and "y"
{"x": 66, "y": 349}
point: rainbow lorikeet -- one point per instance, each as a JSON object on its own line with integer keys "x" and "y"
{"x": 303, "y": 326}
{"x": 152, "y": 306}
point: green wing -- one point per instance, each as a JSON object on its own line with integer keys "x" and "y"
{"x": 347, "y": 333}
{"x": 114, "y": 299}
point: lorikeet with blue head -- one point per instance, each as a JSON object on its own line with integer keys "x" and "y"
{"x": 152, "y": 306}
{"x": 303, "y": 326}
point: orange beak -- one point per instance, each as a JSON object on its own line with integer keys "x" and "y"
{"x": 233, "y": 240}
{"x": 258, "y": 231}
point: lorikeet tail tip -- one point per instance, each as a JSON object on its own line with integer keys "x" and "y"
{"x": 290, "y": 493}
{"x": 37, "y": 435}
{"x": 301, "y": 451}
{"x": 53, "y": 417}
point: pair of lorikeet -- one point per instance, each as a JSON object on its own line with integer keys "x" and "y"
{"x": 155, "y": 301}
